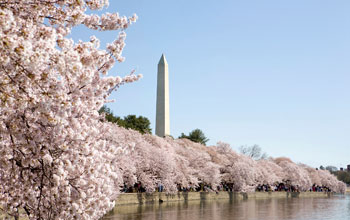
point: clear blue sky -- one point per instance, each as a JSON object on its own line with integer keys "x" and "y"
{"x": 273, "y": 73}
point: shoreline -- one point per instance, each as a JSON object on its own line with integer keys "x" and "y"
{"x": 154, "y": 198}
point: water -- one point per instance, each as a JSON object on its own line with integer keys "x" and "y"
{"x": 334, "y": 208}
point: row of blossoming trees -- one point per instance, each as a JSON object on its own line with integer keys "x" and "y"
{"x": 155, "y": 161}
{"x": 59, "y": 160}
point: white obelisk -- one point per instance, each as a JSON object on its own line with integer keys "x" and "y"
{"x": 162, "y": 115}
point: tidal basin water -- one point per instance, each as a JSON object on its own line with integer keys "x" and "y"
{"x": 334, "y": 208}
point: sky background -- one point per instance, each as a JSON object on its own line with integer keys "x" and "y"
{"x": 273, "y": 73}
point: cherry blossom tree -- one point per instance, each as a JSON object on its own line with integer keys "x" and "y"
{"x": 205, "y": 170}
{"x": 185, "y": 174}
{"x": 149, "y": 162}
{"x": 269, "y": 172}
{"x": 56, "y": 162}
{"x": 294, "y": 173}
{"x": 239, "y": 170}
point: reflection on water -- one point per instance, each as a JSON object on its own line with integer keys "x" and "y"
{"x": 335, "y": 208}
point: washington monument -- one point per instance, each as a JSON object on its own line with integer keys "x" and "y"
{"x": 162, "y": 115}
